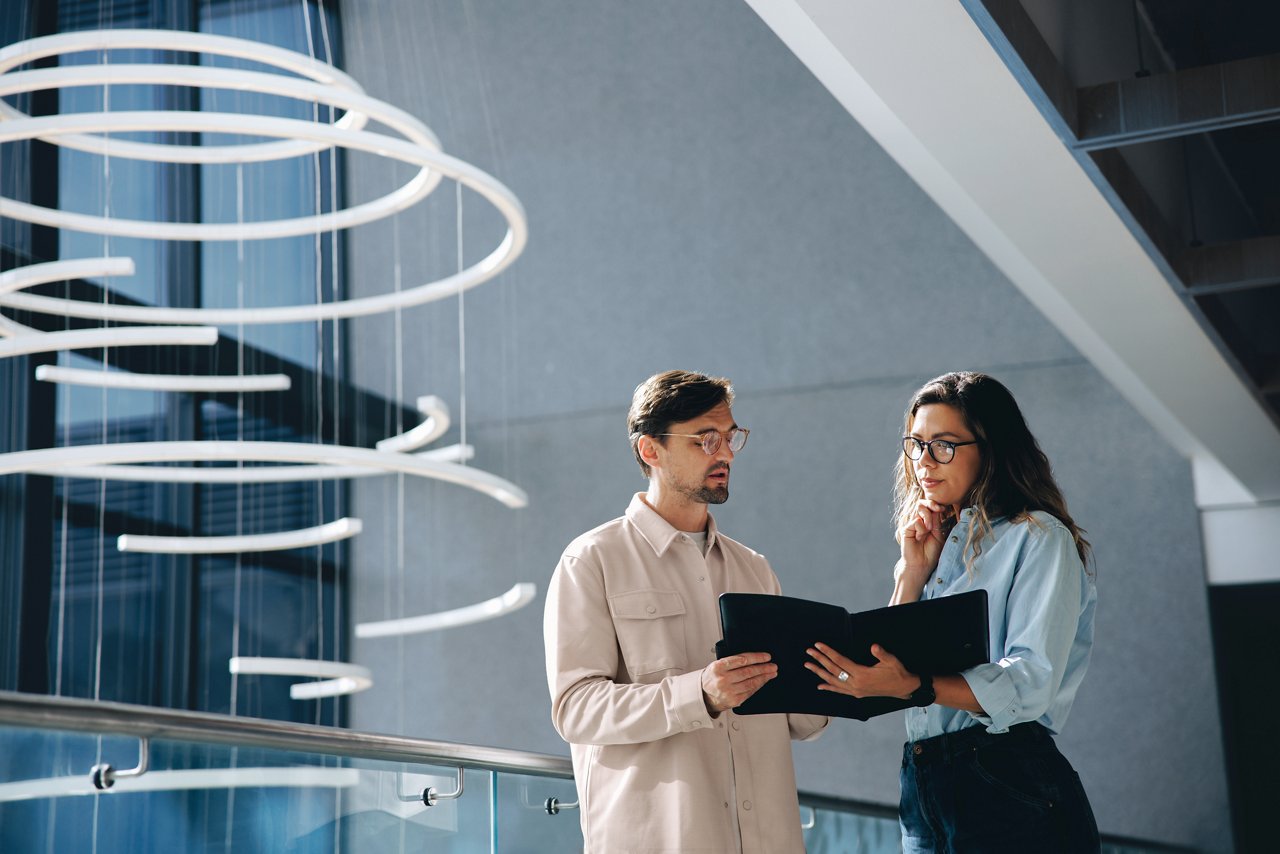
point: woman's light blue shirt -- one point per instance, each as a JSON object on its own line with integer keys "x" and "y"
{"x": 1041, "y": 604}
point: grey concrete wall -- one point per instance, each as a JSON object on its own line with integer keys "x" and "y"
{"x": 696, "y": 199}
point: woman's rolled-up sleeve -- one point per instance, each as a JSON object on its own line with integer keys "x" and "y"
{"x": 1041, "y": 619}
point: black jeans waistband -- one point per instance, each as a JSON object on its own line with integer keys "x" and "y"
{"x": 943, "y": 747}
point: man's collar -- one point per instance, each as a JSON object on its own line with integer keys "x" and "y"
{"x": 658, "y": 532}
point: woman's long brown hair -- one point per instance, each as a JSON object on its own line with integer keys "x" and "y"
{"x": 1015, "y": 478}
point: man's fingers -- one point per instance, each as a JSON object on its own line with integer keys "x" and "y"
{"x": 745, "y": 674}
{"x": 743, "y": 659}
{"x": 735, "y": 694}
{"x": 749, "y": 687}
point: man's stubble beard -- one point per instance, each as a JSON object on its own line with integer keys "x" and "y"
{"x": 708, "y": 494}
{"x": 700, "y": 493}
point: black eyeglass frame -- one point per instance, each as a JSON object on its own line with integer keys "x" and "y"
{"x": 909, "y": 442}
{"x": 711, "y": 439}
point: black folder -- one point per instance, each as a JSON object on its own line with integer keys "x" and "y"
{"x": 934, "y": 636}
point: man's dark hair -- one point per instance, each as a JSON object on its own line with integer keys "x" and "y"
{"x": 670, "y": 398}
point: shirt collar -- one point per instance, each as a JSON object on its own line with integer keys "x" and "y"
{"x": 968, "y": 514}
{"x": 658, "y": 532}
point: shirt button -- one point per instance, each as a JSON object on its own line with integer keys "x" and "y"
{"x": 697, "y": 723}
{"x": 746, "y": 805}
{"x": 737, "y": 725}
{"x": 726, "y": 804}
{"x": 939, "y": 581}
{"x": 651, "y": 609}
{"x": 955, "y": 540}
{"x": 701, "y": 578}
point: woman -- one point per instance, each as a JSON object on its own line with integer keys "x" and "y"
{"x": 977, "y": 507}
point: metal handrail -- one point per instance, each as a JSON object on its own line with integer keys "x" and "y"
{"x": 149, "y": 722}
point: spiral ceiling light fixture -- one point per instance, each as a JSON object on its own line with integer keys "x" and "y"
{"x": 113, "y": 134}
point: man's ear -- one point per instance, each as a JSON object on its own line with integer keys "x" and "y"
{"x": 648, "y": 447}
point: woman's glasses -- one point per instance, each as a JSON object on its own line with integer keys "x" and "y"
{"x": 940, "y": 449}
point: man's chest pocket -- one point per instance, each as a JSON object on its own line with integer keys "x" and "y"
{"x": 650, "y": 626}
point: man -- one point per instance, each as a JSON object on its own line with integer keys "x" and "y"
{"x": 662, "y": 762}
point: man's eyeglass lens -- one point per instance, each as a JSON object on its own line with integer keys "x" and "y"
{"x": 711, "y": 441}
{"x": 712, "y": 438}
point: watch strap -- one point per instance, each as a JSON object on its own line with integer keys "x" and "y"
{"x": 924, "y": 695}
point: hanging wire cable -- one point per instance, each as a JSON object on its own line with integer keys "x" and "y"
{"x": 397, "y": 582}
{"x": 318, "y": 261}
{"x": 462, "y": 327}
{"x": 338, "y": 488}
{"x": 100, "y": 591}
{"x": 239, "y": 565}
{"x": 510, "y": 282}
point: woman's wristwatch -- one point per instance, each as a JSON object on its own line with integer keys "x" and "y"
{"x": 924, "y": 695}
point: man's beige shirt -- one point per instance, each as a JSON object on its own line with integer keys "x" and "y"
{"x": 632, "y": 618}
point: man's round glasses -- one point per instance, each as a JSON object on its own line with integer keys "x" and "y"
{"x": 940, "y": 449}
{"x": 711, "y": 439}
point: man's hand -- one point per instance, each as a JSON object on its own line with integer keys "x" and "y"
{"x": 728, "y": 682}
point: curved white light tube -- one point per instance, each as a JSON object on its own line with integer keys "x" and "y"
{"x": 355, "y": 103}
{"x": 488, "y": 187}
{"x": 513, "y": 600}
{"x": 127, "y": 336}
{"x": 23, "y": 52}
{"x": 449, "y": 454}
{"x": 482, "y": 183}
{"x": 251, "y": 474}
{"x": 162, "y": 382}
{"x": 179, "y": 121}
{"x": 57, "y": 271}
{"x": 301, "y": 777}
{"x": 10, "y": 329}
{"x": 435, "y": 426}
{"x": 57, "y": 461}
{"x": 338, "y": 678}
{"x": 302, "y": 538}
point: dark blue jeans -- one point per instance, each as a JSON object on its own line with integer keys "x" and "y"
{"x": 971, "y": 792}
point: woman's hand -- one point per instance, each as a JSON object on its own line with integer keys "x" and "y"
{"x": 923, "y": 537}
{"x": 886, "y": 678}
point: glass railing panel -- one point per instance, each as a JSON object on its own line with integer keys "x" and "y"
{"x": 536, "y": 814}
{"x": 190, "y": 798}
{"x": 386, "y": 813}
{"x": 832, "y": 830}
{"x": 198, "y": 797}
